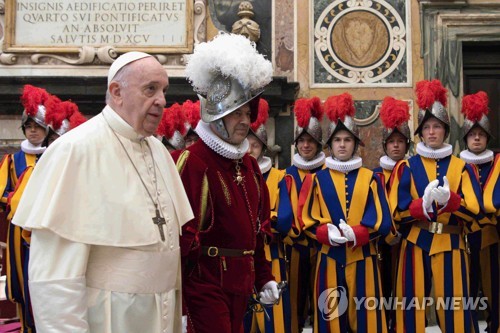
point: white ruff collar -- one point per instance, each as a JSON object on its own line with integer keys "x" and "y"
{"x": 435, "y": 154}
{"x": 29, "y": 148}
{"x": 316, "y": 162}
{"x": 471, "y": 158}
{"x": 387, "y": 163}
{"x": 265, "y": 164}
{"x": 354, "y": 163}
{"x": 221, "y": 147}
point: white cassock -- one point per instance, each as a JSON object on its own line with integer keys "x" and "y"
{"x": 97, "y": 262}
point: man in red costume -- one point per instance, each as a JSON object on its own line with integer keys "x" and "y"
{"x": 222, "y": 247}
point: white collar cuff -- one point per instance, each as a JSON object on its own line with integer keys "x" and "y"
{"x": 435, "y": 154}
{"x": 221, "y": 147}
{"x": 28, "y": 148}
{"x": 471, "y": 158}
{"x": 315, "y": 163}
{"x": 387, "y": 163}
{"x": 354, "y": 163}
{"x": 265, "y": 164}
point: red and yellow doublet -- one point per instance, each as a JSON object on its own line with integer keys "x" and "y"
{"x": 353, "y": 197}
{"x": 387, "y": 254}
{"x": 300, "y": 251}
{"x": 485, "y": 242}
{"x": 15, "y": 170}
{"x": 279, "y": 314}
{"x": 429, "y": 257}
{"x": 227, "y": 216}
{"x": 11, "y": 168}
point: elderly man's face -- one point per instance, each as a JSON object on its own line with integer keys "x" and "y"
{"x": 140, "y": 97}
{"x": 237, "y": 124}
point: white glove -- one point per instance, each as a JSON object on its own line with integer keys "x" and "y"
{"x": 334, "y": 236}
{"x": 184, "y": 324}
{"x": 269, "y": 294}
{"x": 347, "y": 231}
{"x": 427, "y": 197}
{"x": 442, "y": 193}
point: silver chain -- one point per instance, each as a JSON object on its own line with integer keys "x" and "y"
{"x": 156, "y": 204}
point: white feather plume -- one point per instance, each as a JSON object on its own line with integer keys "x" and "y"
{"x": 232, "y": 56}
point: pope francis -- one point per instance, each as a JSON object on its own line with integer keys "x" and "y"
{"x": 105, "y": 205}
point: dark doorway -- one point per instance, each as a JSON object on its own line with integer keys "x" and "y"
{"x": 481, "y": 68}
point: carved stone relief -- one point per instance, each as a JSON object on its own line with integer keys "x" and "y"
{"x": 245, "y": 25}
{"x": 284, "y": 39}
{"x": 362, "y": 42}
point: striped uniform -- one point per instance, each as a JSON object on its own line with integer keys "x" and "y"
{"x": 354, "y": 197}
{"x": 432, "y": 259}
{"x": 279, "y": 314}
{"x": 300, "y": 252}
{"x": 387, "y": 254}
{"x": 14, "y": 174}
{"x": 489, "y": 243}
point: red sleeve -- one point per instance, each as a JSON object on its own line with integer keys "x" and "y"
{"x": 192, "y": 176}
{"x": 322, "y": 234}
{"x": 417, "y": 210}
{"x": 453, "y": 203}
{"x": 362, "y": 235}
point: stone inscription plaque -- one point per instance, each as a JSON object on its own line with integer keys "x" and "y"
{"x": 66, "y": 25}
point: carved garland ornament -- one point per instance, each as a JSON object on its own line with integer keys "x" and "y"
{"x": 359, "y": 41}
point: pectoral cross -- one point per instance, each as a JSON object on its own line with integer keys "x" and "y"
{"x": 159, "y": 221}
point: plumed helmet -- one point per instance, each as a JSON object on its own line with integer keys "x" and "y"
{"x": 308, "y": 113}
{"x": 33, "y": 100}
{"x": 340, "y": 110}
{"x": 191, "y": 111}
{"x": 62, "y": 117}
{"x": 258, "y": 127}
{"x": 431, "y": 100}
{"x": 227, "y": 72}
{"x": 394, "y": 115}
{"x": 172, "y": 126}
{"x": 475, "y": 109}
